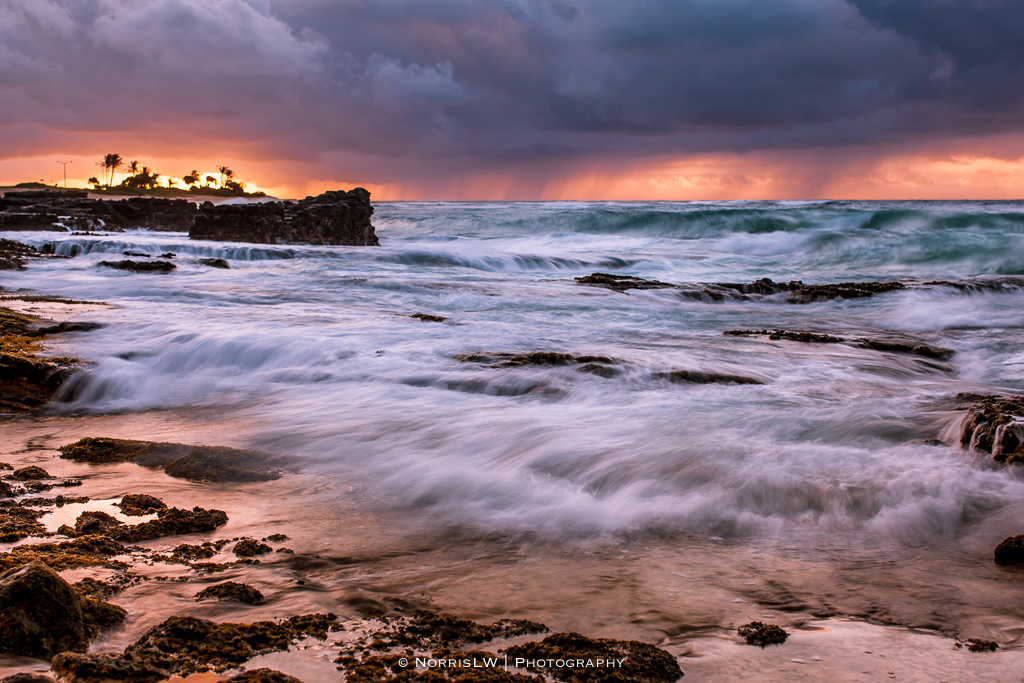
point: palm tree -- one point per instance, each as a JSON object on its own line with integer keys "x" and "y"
{"x": 112, "y": 162}
{"x": 192, "y": 178}
{"x": 209, "y": 179}
{"x": 133, "y": 167}
{"x": 224, "y": 171}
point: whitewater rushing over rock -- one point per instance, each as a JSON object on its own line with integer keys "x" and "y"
{"x": 460, "y": 382}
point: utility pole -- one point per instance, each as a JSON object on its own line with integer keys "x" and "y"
{"x": 65, "y": 172}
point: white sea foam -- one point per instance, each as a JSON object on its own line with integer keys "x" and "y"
{"x": 316, "y": 342}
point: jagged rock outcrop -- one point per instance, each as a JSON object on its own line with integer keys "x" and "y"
{"x": 72, "y": 209}
{"x": 338, "y": 218}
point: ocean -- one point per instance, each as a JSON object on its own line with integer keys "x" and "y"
{"x": 645, "y": 494}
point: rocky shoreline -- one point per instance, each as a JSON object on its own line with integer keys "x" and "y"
{"x": 332, "y": 218}
{"x": 42, "y": 616}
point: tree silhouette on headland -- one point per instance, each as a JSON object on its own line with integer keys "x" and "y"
{"x": 110, "y": 163}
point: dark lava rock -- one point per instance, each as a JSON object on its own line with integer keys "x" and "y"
{"x": 27, "y": 678}
{"x": 229, "y": 590}
{"x": 250, "y": 547}
{"x": 140, "y": 266}
{"x": 32, "y": 472}
{"x": 215, "y": 263}
{"x": 220, "y": 464}
{"x": 276, "y": 538}
{"x": 79, "y": 668}
{"x": 426, "y": 317}
{"x": 330, "y": 218}
{"x": 186, "y": 645}
{"x": 995, "y": 424}
{"x": 891, "y": 346}
{"x": 621, "y": 283}
{"x": 171, "y": 522}
{"x": 94, "y": 522}
{"x": 762, "y": 635}
{"x": 1010, "y": 551}
{"x": 705, "y": 377}
{"x": 797, "y": 292}
{"x": 643, "y": 662}
{"x": 26, "y": 381}
{"x": 976, "y": 645}
{"x": 14, "y": 254}
{"x": 514, "y": 360}
{"x": 260, "y": 676}
{"x": 196, "y": 463}
{"x": 139, "y": 504}
{"x": 43, "y": 210}
{"x": 40, "y": 614}
{"x": 8, "y": 491}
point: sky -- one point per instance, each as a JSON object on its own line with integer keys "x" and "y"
{"x": 525, "y": 99}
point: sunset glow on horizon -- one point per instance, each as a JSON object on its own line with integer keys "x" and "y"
{"x": 490, "y": 100}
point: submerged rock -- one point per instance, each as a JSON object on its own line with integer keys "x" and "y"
{"x": 140, "y": 266}
{"x": 250, "y": 547}
{"x": 761, "y": 634}
{"x": 888, "y": 345}
{"x": 621, "y": 283}
{"x": 263, "y": 675}
{"x": 501, "y": 359}
{"x": 797, "y": 292}
{"x": 18, "y": 521}
{"x": 705, "y": 377}
{"x": 215, "y": 263}
{"x": 341, "y": 218}
{"x": 229, "y": 590}
{"x": 426, "y": 317}
{"x": 195, "y": 463}
{"x": 995, "y": 424}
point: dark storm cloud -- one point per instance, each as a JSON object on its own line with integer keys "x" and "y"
{"x": 481, "y": 82}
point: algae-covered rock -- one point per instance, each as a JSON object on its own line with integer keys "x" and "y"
{"x": 87, "y": 551}
{"x": 72, "y": 667}
{"x": 260, "y": 676}
{"x": 221, "y": 464}
{"x": 189, "y": 552}
{"x": 18, "y": 521}
{"x": 250, "y": 547}
{"x": 761, "y": 634}
{"x": 40, "y": 614}
{"x": 30, "y": 473}
{"x": 139, "y": 504}
{"x": 195, "y": 463}
{"x": 276, "y": 538}
{"x": 27, "y": 678}
{"x": 171, "y": 522}
{"x": 643, "y": 663}
{"x": 995, "y": 424}
{"x": 98, "y": 615}
{"x": 94, "y": 522}
{"x": 229, "y": 590}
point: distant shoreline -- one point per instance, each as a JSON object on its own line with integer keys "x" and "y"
{"x": 162, "y": 192}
